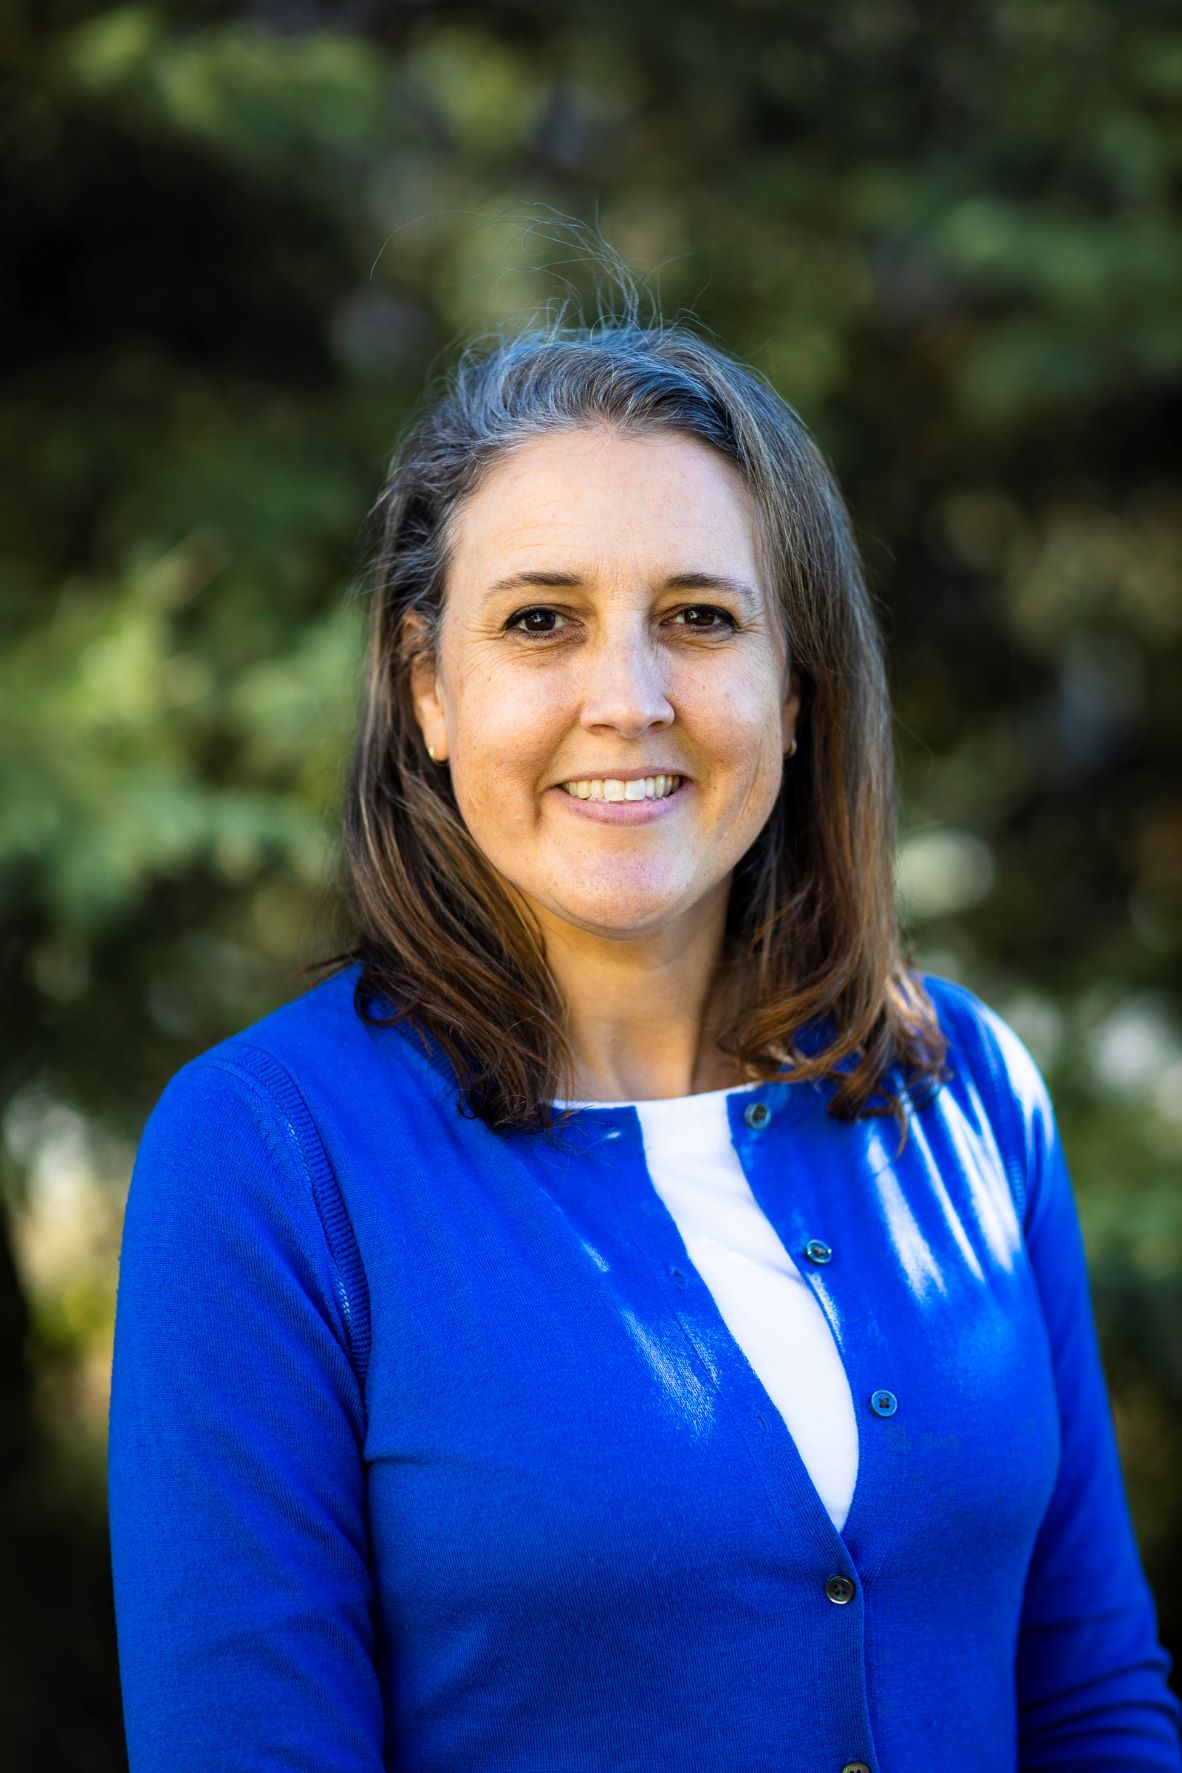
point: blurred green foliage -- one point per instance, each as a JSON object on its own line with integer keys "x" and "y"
{"x": 236, "y": 238}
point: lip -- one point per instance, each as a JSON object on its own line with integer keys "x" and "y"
{"x": 625, "y": 812}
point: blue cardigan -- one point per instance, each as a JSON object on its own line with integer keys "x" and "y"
{"x": 430, "y": 1450}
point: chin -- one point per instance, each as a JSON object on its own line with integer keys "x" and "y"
{"x": 619, "y": 931}
{"x": 614, "y": 916}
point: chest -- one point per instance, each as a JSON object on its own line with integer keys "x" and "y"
{"x": 552, "y": 1380}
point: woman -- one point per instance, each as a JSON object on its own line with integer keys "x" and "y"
{"x": 535, "y": 1347}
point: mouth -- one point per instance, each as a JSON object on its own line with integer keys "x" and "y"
{"x": 619, "y": 789}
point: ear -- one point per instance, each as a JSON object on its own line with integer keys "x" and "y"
{"x": 790, "y": 710}
{"x": 424, "y": 685}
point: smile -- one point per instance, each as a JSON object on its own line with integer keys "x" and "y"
{"x": 613, "y": 788}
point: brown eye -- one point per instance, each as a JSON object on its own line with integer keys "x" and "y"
{"x": 538, "y": 619}
{"x": 717, "y": 619}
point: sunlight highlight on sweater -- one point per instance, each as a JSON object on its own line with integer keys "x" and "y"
{"x": 911, "y": 1244}
{"x": 675, "y": 1373}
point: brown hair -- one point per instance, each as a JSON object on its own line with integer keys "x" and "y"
{"x": 812, "y": 933}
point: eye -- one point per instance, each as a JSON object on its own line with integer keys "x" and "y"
{"x": 720, "y": 620}
{"x": 530, "y": 621}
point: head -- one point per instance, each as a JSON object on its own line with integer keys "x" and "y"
{"x": 607, "y": 631}
{"x": 607, "y": 554}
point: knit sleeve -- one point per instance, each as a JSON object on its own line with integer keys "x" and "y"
{"x": 243, "y": 1596}
{"x": 1091, "y": 1674}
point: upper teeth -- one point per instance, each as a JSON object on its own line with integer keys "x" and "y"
{"x": 612, "y": 788}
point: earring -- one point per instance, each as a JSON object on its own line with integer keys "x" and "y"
{"x": 431, "y": 752}
{"x": 792, "y": 747}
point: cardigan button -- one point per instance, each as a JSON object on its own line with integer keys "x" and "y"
{"x": 840, "y": 1589}
{"x": 757, "y": 1114}
{"x": 816, "y": 1251}
{"x": 884, "y": 1403}
{"x": 855, "y": 1767}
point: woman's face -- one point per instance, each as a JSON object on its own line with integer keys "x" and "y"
{"x": 605, "y": 622}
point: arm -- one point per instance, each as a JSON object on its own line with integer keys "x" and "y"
{"x": 1091, "y": 1673}
{"x": 236, "y": 1484}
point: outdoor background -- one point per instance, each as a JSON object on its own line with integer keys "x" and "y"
{"x": 234, "y": 241}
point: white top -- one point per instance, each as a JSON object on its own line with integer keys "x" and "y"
{"x": 764, "y": 1300}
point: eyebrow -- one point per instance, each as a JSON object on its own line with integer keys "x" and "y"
{"x": 695, "y": 581}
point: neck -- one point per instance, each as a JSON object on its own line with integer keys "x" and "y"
{"x": 639, "y": 1009}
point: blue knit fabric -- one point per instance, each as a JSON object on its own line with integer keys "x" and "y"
{"x": 429, "y": 1449}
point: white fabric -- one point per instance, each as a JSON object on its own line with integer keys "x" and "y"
{"x": 763, "y": 1299}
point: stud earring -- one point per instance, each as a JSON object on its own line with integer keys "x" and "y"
{"x": 792, "y": 747}
{"x": 431, "y": 752}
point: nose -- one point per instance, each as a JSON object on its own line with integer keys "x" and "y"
{"x": 626, "y": 686}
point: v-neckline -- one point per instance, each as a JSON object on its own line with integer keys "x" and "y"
{"x": 646, "y": 1222}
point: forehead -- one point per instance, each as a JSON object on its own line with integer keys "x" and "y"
{"x": 594, "y": 499}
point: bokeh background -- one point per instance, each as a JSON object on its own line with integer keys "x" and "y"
{"x": 236, "y": 238}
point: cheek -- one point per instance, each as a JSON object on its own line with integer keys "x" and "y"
{"x": 507, "y": 727}
{"x": 737, "y": 721}
{"x": 497, "y": 713}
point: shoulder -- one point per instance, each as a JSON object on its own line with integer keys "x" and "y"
{"x": 260, "y": 1138}
{"x": 233, "y": 1194}
{"x": 321, "y": 1019}
{"x": 993, "y": 1076}
{"x": 297, "y": 1064}
{"x": 978, "y": 1036}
